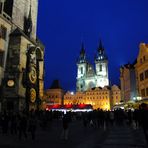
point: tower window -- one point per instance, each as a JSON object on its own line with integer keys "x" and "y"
{"x": 1, "y": 58}
{"x": 81, "y": 70}
{"x": 8, "y": 6}
{"x": 100, "y": 67}
{"x": 3, "y": 32}
{"x": 1, "y": 7}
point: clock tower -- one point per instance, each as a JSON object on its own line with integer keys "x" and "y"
{"x": 23, "y": 82}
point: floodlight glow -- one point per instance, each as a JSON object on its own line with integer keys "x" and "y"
{"x": 72, "y": 93}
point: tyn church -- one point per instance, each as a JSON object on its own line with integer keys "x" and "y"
{"x": 87, "y": 76}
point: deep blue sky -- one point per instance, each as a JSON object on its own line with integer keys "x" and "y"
{"x": 64, "y": 24}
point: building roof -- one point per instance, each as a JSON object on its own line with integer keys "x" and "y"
{"x": 55, "y": 85}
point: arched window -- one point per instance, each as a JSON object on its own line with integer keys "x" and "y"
{"x": 100, "y": 67}
{"x": 81, "y": 70}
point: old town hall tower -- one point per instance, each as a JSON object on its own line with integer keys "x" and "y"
{"x": 22, "y": 56}
{"x": 87, "y": 76}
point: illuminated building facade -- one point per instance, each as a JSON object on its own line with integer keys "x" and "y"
{"x": 55, "y": 94}
{"x": 87, "y": 77}
{"x": 115, "y": 95}
{"x": 5, "y": 28}
{"x": 142, "y": 71}
{"x": 103, "y": 98}
{"x": 128, "y": 82}
{"x": 23, "y": 61}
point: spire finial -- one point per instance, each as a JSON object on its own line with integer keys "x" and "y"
{"x": 100, "y": 45}
{"x": 82, "y": 46}
{"x": 82, "y": 52}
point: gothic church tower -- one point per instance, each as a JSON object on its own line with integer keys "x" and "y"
{"x": 101, "y": 62}
{"x": 87, "y": 76}
{"x": 81, "y": 71}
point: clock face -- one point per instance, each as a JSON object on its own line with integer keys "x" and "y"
{"x": 32, "y": 74}
{"x": 32, "y": 95}
{"x": 10, "y": 83}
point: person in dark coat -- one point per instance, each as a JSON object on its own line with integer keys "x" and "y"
{"x": 144, "y": 119}
{"x": 32, "y": 126}
{"x": 22, "y": 126}
{"x": 66, "y": 120}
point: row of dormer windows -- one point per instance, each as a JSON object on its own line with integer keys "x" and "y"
{"x": 53, "y": 96}
{"x": 97, "y": 93}
{"x": 97, "y": 97}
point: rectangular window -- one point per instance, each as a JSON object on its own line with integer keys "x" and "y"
{"x": 143, "y": 58}
{"x": 8, "y": 6}
{"x": 0, "y": 7}
{"x": 143, "y": 92}
{"x": 140, "y": 60}
{"x": 1, "y": 58}
{"x": 146, "y": 74}
{"x": 147, "y": 91}
{"x": 141, "y": 77}
{"x": 81, "y": 70}
{"x": 100, "y": 67}
{"x": 3, "y": 32}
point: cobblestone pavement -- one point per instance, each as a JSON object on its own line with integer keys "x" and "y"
{"x": 79, "y": 137}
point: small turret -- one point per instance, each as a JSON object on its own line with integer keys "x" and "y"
{"x": 28, "y": 23}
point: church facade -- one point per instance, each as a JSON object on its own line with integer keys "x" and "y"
{"x": 89, "y": 77}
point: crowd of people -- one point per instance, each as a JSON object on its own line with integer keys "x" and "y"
{"x": 25, "y": 124}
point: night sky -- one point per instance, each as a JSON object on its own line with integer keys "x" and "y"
{"x": 64, "y": 24}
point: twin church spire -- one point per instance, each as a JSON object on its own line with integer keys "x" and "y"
{"x": 82, "y": 57}
{"x": 99, "y": 56}
{"x": 87, "y": 76}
